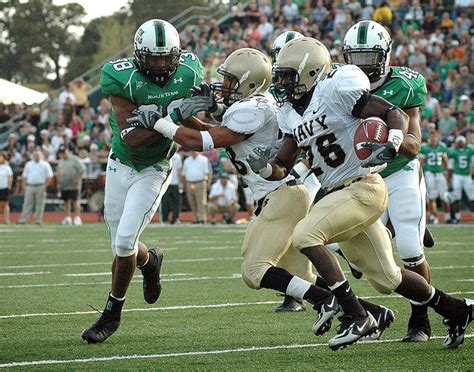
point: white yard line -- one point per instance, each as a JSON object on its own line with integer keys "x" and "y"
{"x": 137, "y": 275}
{"x": 28, "y": 274}
{"x": 252, "y": 349}
{"x": 187, "y": 307}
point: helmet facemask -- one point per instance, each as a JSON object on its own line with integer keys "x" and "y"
{"x": 286, "y": 86}
{"x": 227, "y": 91}
{"x": 370, "y": 60}
{"x": 158, "y": 67}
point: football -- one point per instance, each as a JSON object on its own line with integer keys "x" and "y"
{"x": 373, "y": 130}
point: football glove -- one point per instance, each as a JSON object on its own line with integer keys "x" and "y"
{"x": 258, "y": 158}
{"x": 191, "y": 106}
{"x": 381, "y": 153}
{"x": 204, "y": 90}
{"x": 144, "y": 119}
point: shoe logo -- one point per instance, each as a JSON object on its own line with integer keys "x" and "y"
{"x": 348, "y": 289}
{"x": 361, "y": 327}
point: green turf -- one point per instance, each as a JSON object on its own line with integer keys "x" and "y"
{"x": 206, "y": 318}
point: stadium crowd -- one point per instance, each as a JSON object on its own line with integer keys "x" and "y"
{"x": 434, "y": 38}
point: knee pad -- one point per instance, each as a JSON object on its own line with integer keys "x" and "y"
{"x": 385, "y": 284}
{"x": 414, "y": 261}
{"x": 124, "y": 246}
{"x": 252, "y": 273}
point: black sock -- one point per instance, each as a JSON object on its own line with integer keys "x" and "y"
{"x": 419, "y": 319}
{"x": 447, "y": 306}
{"x": 369, "y": 306}
{"x": 278, "y": 279}
{"x": 114, "y": 306}
{"x": 348, "y": 301}
{"x": 320, "y": 282}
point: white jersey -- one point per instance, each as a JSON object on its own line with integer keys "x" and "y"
{"x": 256, "y": 117}
{"x": 328, "y": 127}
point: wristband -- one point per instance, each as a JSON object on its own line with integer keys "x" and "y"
{"x": 267, "y": 171}
{"x": 166, "y": 127}
{"x": 207, "y": 142}
{"x": 396, "y": 137}
{"x": 300, "y": 169}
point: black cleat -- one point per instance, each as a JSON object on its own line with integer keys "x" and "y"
{"x": 327, "y": 310}
{"x": 101, "y": 330}
{"x": 151, "y": 276}
{"x": 384, "y": 317}
{"x": 290, "y": 304}
{"x": 415, "y": 335}
{"x": 428, "y": 240}
{"x": 457, "y": 327}
{"x": 352, "y": 329}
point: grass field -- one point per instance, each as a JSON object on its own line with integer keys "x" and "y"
{"x": 206, "y": 318}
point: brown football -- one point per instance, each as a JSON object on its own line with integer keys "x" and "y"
{"x": 373, "y": 130}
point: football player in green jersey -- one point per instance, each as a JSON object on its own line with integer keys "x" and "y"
{"x": 367, "y": 44}
{"x": 149, "y": 85}
{"x": 461, "y": 161}
{"x": 434, "y": 156}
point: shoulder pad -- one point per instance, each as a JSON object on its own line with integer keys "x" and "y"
{"x": 350, "y": 77}
{"x": 115, "y": 76}
{"x": 244, "y": 117}
{"x": 192, "y": 63}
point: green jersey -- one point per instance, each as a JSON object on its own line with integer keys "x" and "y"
{"x": 121, "y": 78}
{"x": 404, "y": 88}
{"x": 433, "y": 157}
{"x": 463, "y": 158}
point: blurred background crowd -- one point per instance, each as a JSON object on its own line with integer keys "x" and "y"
{"x": 432, "y": 37}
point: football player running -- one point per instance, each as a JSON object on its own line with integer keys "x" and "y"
{"x": 367, "y": 45}
{"x": 154, "y": 81}
{"x": 461, "y": 158}
{"x": 332, "y": 103}
{"x": 250, "y": 122}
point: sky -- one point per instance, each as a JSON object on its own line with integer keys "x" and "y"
{"x": 96, "y": 8}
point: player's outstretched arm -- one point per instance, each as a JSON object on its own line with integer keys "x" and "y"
{"x": 132, "y": 135}
{"x": 207, "y": 140}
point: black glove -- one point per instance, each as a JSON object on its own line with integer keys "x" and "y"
{"x": 204, "y": 90}
{"x": 144, "y": 119}
{"x": 381, "y": 153}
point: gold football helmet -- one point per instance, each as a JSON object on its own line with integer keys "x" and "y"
{"x": 246, "y": 72}
{"x": 300, "y": 65}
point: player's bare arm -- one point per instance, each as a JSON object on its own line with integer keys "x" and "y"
{"x": 285, "y": 159}
{"x": 195, "y": 123}
{"x": 133, "y": 136}
{"x": 202, "y": 140}
{"x": 392, "y": 115}
{"x": 411, "y": 144}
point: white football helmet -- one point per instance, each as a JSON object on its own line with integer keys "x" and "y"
{"x": 281, "y": 40}
{"x": 246, "y": 72}
{"x": 367, "y": 45}
{"x": 157, "y": 50}
{"x": 301, "y": 65}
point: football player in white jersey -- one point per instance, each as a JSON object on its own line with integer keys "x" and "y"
{"x": 249, "y": 122}
{"x": 332, "y": 103}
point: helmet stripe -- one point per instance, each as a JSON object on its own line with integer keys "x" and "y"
{"x": 362, "y": 33}
{"x": 290, "y": 36}
{"x": 159, "y": 33}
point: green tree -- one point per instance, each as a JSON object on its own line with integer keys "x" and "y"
{"x": 36, "y": 34}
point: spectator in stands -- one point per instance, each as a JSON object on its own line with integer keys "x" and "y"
{"x": 64, "y": 95}
{"x": 6, "y": 183}
{"x": 69, "y": 176}
{"x": 383, "y": 15}
{"x": 36, "y": 175}
{"x": 196, "y": 177}
{"x": 172, "y": 199}
{"x": 290, "y": 11}
{"x": 87, "y": 110}
{"x": 51, "y": 108}
{"x": 49, "y": 152}
{"x": 3, "y": 114}
{"x": 79, "y": 88}
{"x": 13, "y": 142}
{"x": 223, "y": 199}
{"x": 446, "y": 124}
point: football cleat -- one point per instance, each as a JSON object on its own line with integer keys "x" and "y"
{"x": 428, "y": 240}
{"x": 457, "y": 327}
{"x": 352, "y": 329}
{"x": 290, "y": 304}
{"x": 384, "y": 317}
{"x": 151, "y": 276}
{"x": 327, "y": 310}
{"x": 101, "y": 330}
{"x": 415, "y": 335}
